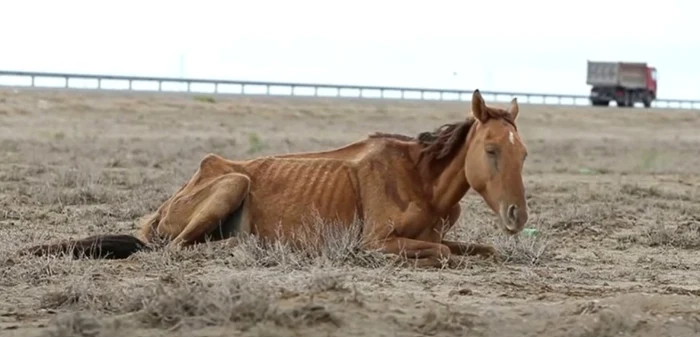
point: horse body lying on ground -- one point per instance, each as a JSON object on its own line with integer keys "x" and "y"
{"x": 405, "y": 191}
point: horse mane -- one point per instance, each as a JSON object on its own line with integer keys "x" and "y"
{"x": 445, "y": 140}
{"x": 439, "y": 143}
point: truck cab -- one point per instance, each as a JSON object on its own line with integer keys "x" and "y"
{"x": 651, "y": 81}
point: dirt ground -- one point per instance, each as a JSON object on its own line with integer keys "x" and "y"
{"x": 613, "y": 193}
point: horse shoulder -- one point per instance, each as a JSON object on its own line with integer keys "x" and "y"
{"x": 388, "y": 172}
{"x": 393, "y": 189}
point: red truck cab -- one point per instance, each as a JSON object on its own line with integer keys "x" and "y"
{"x": 651, "y": 81}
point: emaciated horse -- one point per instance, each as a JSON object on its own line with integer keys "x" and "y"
{"x": 404, "y": 190}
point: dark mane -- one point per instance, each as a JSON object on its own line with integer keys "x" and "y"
{"x": 439, "y": 143}
{"x": 444, "y": 141}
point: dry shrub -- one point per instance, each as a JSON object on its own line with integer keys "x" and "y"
{"x": 317, "y": 242}
{"x": 180, "y": 302}
{"x": 518, "y": 249}
{"x": 200, "y": 303}
{"x": 83, "y": 324}
{"x": 685, "y": 235}
{"x": 447, "y": 320}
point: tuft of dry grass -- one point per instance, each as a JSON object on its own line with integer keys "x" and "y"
{"x": 187, "y": 303}
{"x": 685, "y": 235}
{"x": 81, "y": 324}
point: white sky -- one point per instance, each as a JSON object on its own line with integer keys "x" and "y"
{"x": 504, "y": 45}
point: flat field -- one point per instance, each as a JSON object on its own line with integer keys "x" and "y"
{"x": 613, "y": 193}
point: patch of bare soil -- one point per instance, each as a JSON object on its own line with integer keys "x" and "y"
{"x": 613, "y": 195}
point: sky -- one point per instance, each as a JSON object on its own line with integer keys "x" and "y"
{"x": 497, "y": 45}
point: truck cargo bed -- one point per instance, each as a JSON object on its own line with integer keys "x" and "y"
{"x": 623, "y": 74}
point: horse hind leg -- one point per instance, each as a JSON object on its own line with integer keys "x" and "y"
{"x": 231, "y": 226}
{"x": 219, "y": 212}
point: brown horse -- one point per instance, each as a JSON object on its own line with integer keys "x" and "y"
{"x": 404, "y": 190}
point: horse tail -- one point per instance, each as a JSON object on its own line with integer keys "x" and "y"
{"x": 109, "y": 246}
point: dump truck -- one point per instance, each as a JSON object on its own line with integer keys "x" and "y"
{"x": 626, "y": 83}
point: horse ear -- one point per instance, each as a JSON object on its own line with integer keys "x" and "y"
{"x": 479, "y": 109}
{"x": 513, "y": 109}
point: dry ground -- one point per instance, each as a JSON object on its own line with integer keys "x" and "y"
{"x": 613, "y": 193}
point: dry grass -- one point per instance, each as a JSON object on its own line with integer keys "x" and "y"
{"x": 613, "y": 195}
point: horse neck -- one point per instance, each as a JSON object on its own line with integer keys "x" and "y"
{"x": 449, "y": 180}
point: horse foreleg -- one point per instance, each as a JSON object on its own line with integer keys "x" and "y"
{"x": 463, "y": 248}
{"x": 422, "y": 253}
{"x": 215, "y": 204}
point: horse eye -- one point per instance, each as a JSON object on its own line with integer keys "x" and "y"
{"x": 491, "y": 151}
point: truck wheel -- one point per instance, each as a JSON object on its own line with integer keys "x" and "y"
{"x": 647, "y": 102}
{"x": 626, "y": 100}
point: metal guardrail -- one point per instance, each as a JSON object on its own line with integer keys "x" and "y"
{"x": 216, "y": 87}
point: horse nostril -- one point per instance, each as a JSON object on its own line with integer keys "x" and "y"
{"x": 513, "y": 213}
